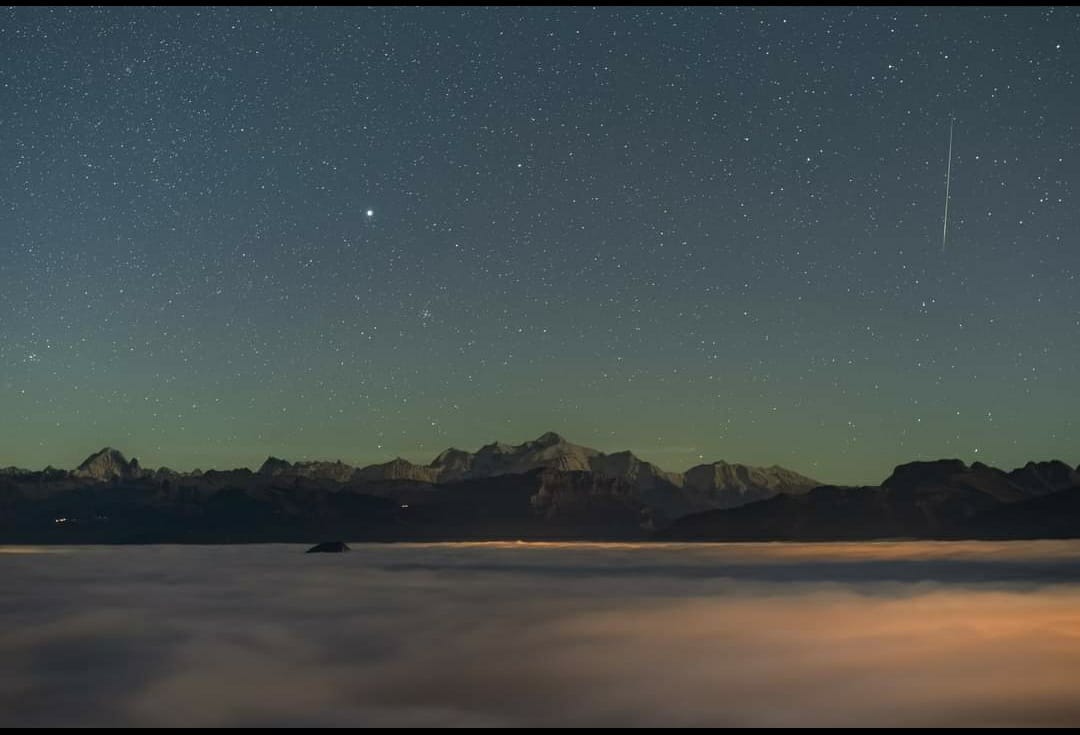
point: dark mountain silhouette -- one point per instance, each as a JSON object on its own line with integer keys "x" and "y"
{"x": 1054, "y": 515}
{"x": 1048, "y": 476}
{"x": 939, "y": 499}
{"x": 547, "y": 488}
{"x": 329, "y": 547}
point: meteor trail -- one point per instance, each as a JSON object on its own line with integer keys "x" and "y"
{"x": 948, "y": 178}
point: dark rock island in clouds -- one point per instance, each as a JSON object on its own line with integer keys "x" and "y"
{"x": 548, "y": 488}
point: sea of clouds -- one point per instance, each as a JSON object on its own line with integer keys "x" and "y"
{"x": 542, "y": 634}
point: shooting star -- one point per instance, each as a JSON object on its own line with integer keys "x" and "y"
{"x": 948, "y": 179}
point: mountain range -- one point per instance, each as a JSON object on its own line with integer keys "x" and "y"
{"x": 723, "y": 484}
{"x": 547, "y": 488}
{"x": 942, "y": 499}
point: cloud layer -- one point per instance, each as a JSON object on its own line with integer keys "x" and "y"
{"x": 543, "y": 634}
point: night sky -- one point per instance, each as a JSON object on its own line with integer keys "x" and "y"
{"x": 698, "y": 234}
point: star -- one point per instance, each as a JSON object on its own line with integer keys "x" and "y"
{"x": 370, "y": 213}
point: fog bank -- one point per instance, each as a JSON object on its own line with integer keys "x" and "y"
{"x": 542, "y": 634}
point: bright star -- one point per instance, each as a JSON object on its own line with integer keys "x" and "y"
{"x": 370, "y": 213}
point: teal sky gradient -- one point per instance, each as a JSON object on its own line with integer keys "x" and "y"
{"x": 695, "y": 233}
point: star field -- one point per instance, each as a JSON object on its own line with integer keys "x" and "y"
{"x": 695, "y": 233}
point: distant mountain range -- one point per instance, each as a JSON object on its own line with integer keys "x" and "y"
{"x": 706, "y": 486}
{"x": 942, "y": 499}
{"x": 547, "y": 488}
